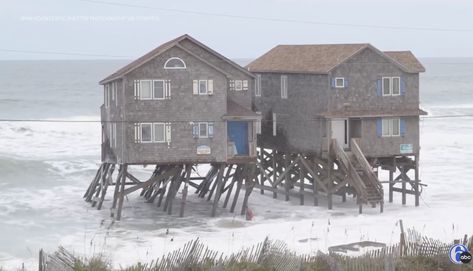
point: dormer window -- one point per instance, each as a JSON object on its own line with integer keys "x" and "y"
{"x": 175, "y": 63}
{"x": 339, "y": 82}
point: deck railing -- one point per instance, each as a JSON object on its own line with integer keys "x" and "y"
{"x": 353, "y": 176}
{"x": 372, "y": 178}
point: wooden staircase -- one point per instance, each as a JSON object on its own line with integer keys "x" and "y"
{"x": 359, "y": 173}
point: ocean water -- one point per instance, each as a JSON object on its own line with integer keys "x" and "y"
{"x": 46, "y": 167}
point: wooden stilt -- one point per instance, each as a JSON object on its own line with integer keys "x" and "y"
{"x": 381, "y": 207}
{"x": 301, "y": 179}
{"x": 237, "y": 191}
{"x": 117, "y": 191}
{"x": 404, "y": 181}
{"x": 100, "y": 185}
{"x": 360, "y": 207}
{"x": 315, "y": 187}
{"x": 218, "y": 182}
{"x": 108, "y": 180}
{"x": 230, "y": 188}
{"x": 122, "y": 192}
{"x": 391, "y": 185}
{"x": 162, "y": 191}
{"x": 416, "y": 180}
{"x": 249, "y": 185}
{"x": 93, "y": 184}
{"x": 275, "y": 177}
{"x": 287, "y": 182}
{"x": 185, "y": 189}
{"x": 330, "y": 185}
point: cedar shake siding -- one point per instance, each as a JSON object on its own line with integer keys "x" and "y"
{"x": 315, "y": 100}
{"x": 180, "y": 109}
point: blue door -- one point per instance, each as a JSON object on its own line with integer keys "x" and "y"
{"x": 238, "y": 133}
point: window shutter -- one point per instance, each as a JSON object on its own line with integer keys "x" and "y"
{"x": 403, "y": 85}
{"x": 210, "y": 127}
{"x": 346, "y": 82}
{"x": 136, "y": 89}
{"x": 379, "y": 127}
{"x": 168, "y": 132}
{"x": 167, "y": 89}
{"x": 379, "y": 87}
{"x": 195, "y": 130}
{"x": 402, "y": 126}
{"x": 137, "y": 132}
{"x": 274, "y": 124}
{"x": 195, "y": 87}
{"x": 245, "y": 84}
{"x": 210, "y": 87}
{"x": 333, "y": 82}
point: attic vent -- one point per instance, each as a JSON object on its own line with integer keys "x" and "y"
{"x": 175, "y": 63}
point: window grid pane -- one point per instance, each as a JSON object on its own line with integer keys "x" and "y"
{"x": 396, "y": 86}
{"x": 387, "y": 86}
{"x": 145, "y": 89}
{"x": 158, "y": 89}
{"x": 159, "y": 132}
{"x": 386, "y": 128}
{"x": 203, "y": 129}
{"x": 203, "y": 87}
{"x": 395, "y": 127}
{"x": 146, "y": 132}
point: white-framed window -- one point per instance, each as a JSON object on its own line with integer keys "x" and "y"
{"x": 391, "y": 86}
{"x": 146, "y": 90}
{"x": 153, "y": 132}
{"x": 146, "y": 132}
{"x": 284, "y": 86}
{"x": 391, "y": 127}
{"x": 152, "y": 89}
{"x": 238, "y": 85}
{"x": 244, "y": 84}
{"x": 159, "y": 89}
{"x": 159, "y": 132}
{"x": 258, "y": 85}
{"x": 339, "y": 82}
{"x": 203, "y": 87}
{"x": 203, "y": 129}
{"x": 175, "y": 63}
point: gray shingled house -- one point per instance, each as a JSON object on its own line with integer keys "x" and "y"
{"x": 350, "y": 103}
{"x": 179, "y": 105}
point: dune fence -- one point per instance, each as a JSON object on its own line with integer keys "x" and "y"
{"x": 413, "y": 252}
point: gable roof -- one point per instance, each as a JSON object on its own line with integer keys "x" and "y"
{"x": 407, "y": 59}
{"x": 164, "y": 47}
{"x": 322, "y": 58}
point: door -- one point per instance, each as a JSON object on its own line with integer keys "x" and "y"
{"x": 238, "y": 133}
{"x": 340, "y": 131}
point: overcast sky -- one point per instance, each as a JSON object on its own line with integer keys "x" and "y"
{"x": 99, "y": 29}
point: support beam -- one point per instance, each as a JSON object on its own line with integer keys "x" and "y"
{"x": 185, "y": 189}
{"x": 122, "y": 192}
{"x": 219, "y": 183}
{"x": 239, "y": 182}
{"x": 301, "y": 189}
{"x": 286, "y": 176}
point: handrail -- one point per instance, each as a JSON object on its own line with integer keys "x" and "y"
{"x": 356, "y": 150}
{"x": 358, "y": 182}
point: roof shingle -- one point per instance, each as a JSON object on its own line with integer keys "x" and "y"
{"x": 322, "y": 58}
